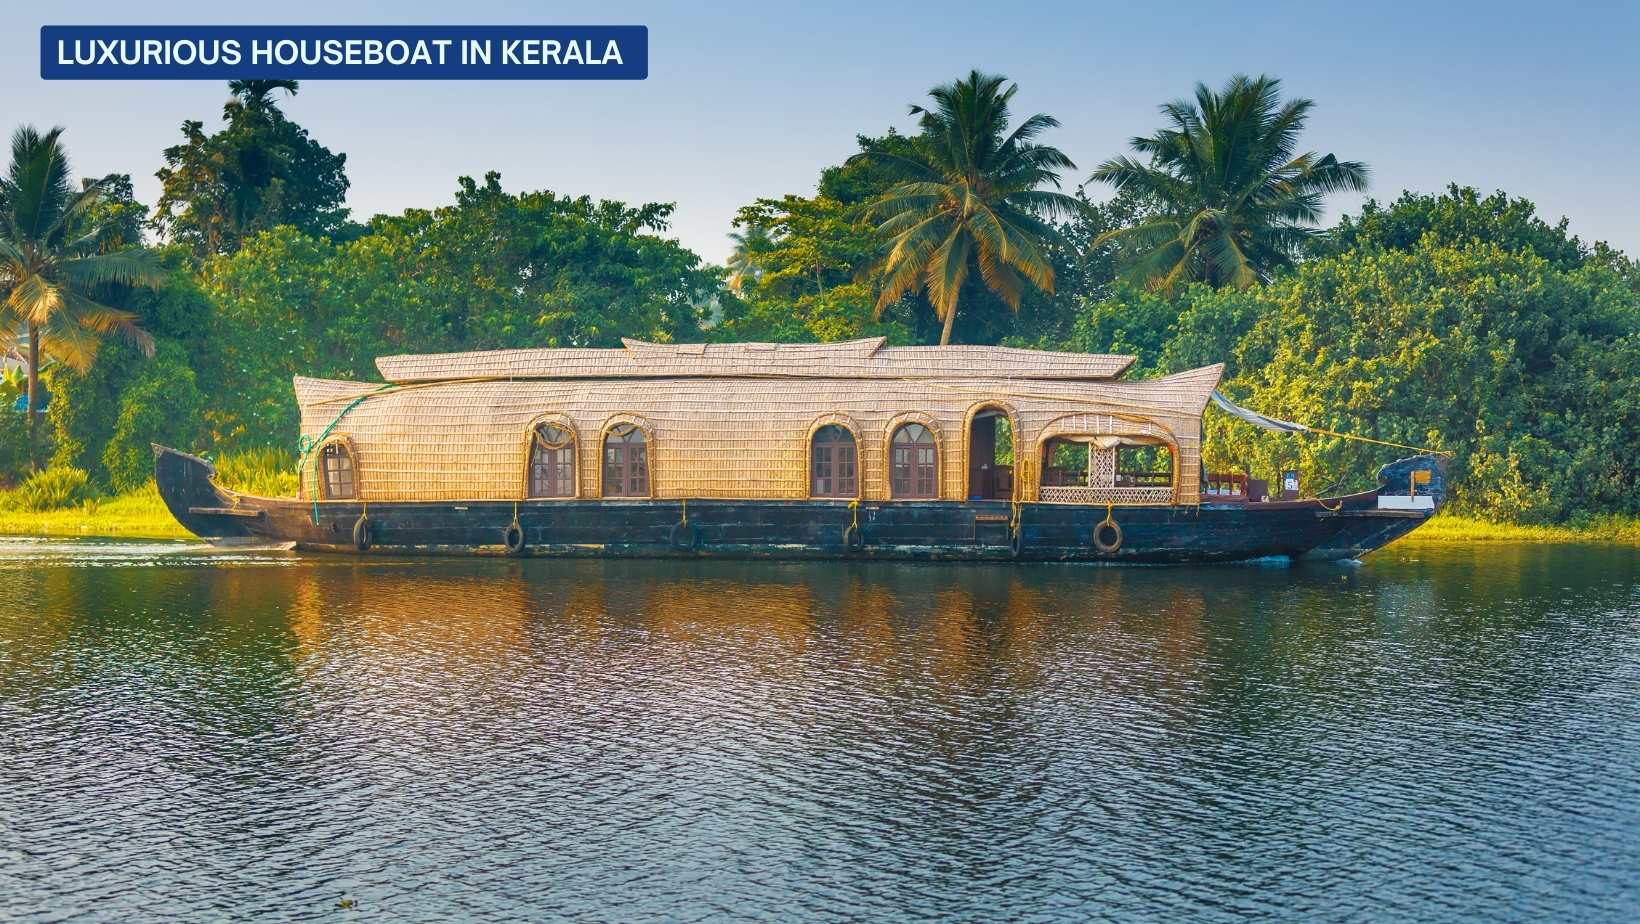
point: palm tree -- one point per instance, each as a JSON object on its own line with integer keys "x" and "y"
{"x": 50, "y": 266}
{"x": 1235, "y": 202}
{"x": 969, "y": 196}
{"x": 743, "y": 263}
{"x": 256, "y": 96}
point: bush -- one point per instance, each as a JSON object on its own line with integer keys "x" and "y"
{"x": 266, "y": 472}
{"x": 13, "y": 446}
{"x": 161, "y": 405}
{"x": 1527, "y": 372}
{"x": 52, "y": 489}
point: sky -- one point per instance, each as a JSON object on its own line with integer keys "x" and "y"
{"x": 753, "y": 99}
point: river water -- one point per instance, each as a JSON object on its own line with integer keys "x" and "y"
{"x": 1439, "y": 734}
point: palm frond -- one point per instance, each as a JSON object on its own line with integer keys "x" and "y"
{"x": 1238, "y": 200}
{"x": 34, "y": 299}
{"x": 947, "y": 268}
{"x": 37, "y": 183}
{"x": 122, "y": 267}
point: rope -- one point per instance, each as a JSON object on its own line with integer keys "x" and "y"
{"x": 686, "y": 511}
{"x": 854, "y": 506}
{"x": 1368, "y": 439}
{"x": 1110, "y": 510}
{"x": 304, "y": 445}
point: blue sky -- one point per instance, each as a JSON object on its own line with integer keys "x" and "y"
{"x": 753, "y": 99}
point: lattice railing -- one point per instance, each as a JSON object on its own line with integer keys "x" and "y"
{"x": 1081, "y": 495}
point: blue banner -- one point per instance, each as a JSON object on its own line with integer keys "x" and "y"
{"x": 344, "y": 52}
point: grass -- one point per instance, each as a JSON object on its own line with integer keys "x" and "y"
{"x": 136, "y": 515}
{"x": 1450, "y": 528}
{"x": 141, "y": 514}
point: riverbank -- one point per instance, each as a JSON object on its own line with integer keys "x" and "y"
{"x": 142, "y": 515}
{"x": 138, "y": 515}
{"x": 1452, "y": 529}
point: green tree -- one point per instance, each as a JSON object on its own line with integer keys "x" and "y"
{"x": 1527, "y": 372}
{"x": 1236, "y": 201}
{"x": 261, "y": 170}
{"x": 57, "y": 261}
{"x": 85, "y": 405}
{"x": 969, "y": 196}
{"x": 1086, "y": 274}
{"x": 160, "y": 403}
{"x": 860, "y": 180}
{"x": 1459, "y": 216}
{"x": 496, "y": 270}
{"x": 809, "y": 254}
{"x": 1194, "y": 327}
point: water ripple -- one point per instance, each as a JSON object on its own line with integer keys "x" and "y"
{"x": 1440, "y": 735}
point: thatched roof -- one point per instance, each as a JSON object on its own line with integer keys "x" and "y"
{"x": 855, "y": 359}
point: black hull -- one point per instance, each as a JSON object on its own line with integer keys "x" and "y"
{"x": 1333, "y": 529}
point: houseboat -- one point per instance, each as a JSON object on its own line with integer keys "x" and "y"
{"x": 856, "y": 450}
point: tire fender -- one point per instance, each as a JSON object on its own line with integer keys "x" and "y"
{"x": 685, "y": 535}
{"x": 364, "y": 533}
{"x": 1107, "y": 536}
{"x": 513, "y": 539}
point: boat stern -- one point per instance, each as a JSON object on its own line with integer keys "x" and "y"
{"x": 1409, "y": 492}
{"x": 1417, "y": 484}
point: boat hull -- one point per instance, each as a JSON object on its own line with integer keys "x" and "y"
{"x": 1330, "y": 529}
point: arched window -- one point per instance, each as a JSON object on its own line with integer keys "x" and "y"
{"x": 552, "y": 461}
{"x": 913, "y": 468}
{"x": 832, "y": 463}
{"x": 626, "y": 462}
{"x": 336, "y": 465}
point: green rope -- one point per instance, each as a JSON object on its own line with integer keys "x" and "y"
{"x": 305, "y": 445}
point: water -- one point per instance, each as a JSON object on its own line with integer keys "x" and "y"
{"x": 1440, "y": 734}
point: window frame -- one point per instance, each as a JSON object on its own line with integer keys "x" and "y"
{"x": 571, "y": 451}
{"x": 916, "y": 468}
{"x": 342, "y": 450}
{"x": 623, "y": 429}
{"x": 841, "y": 489}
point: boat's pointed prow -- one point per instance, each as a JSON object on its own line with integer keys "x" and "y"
{"x": 186, "y": 484}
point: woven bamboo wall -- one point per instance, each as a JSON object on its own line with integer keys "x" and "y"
{"x": 739, "y": 437}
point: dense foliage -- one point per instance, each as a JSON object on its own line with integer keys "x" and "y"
{"x": 495, "y": 270}
{"x": 61, "y": 258}
{"x": 259, "y": 172}
{"x": 1455, "y": 320}
{"x": 1525, "y": 362}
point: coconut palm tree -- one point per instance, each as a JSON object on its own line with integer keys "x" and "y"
{"x": 256, "y": 96}
{"x": 1235, "y": 201}
{"x": 969, "y": 195}
{"x": 51, "y": 267}
{"x": 744, "y": 263}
